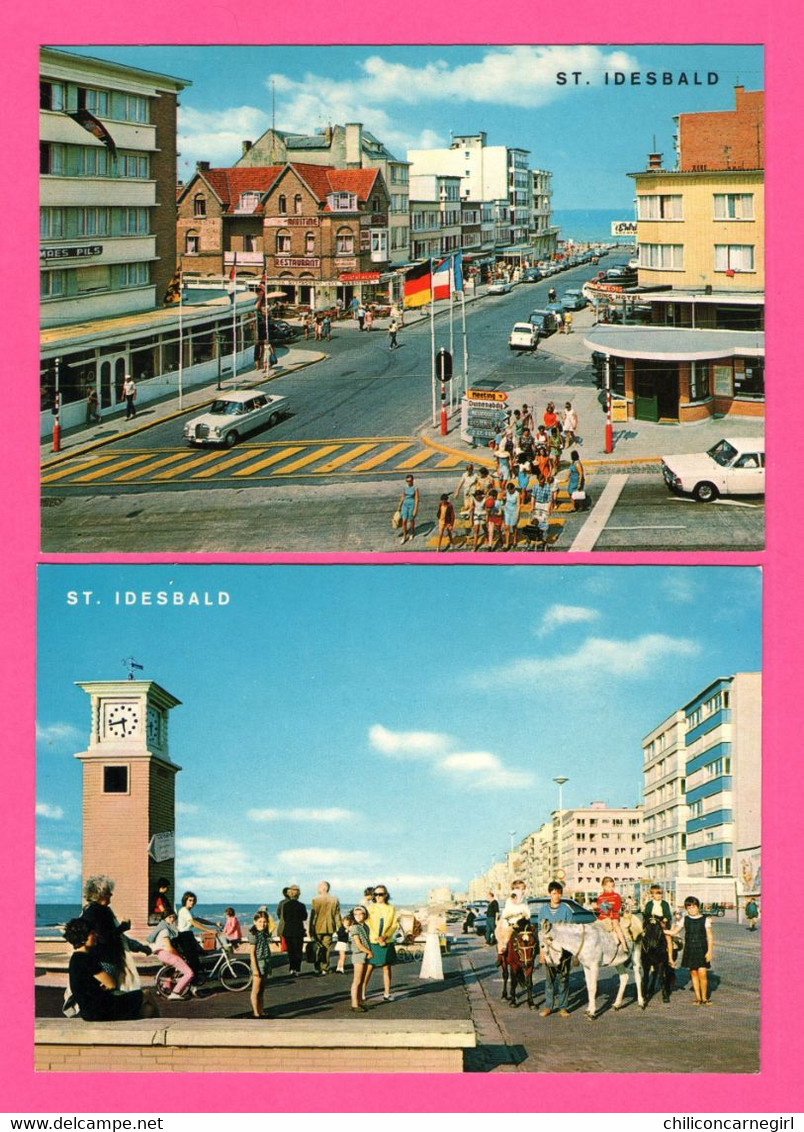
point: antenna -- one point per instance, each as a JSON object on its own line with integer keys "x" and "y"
{"x": 131, "y": 664}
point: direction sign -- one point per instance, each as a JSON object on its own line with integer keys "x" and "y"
{"x": 162, "y": 846}
{"x": 486, "y": 395}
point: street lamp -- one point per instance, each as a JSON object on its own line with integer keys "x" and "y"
{"x": 559, "y": 781}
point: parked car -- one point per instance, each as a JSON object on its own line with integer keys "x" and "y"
{"x": 500, "y": 288}
{"x": 523, "y": 336}
{"x": 573, "y": 299}
{"x": 580, "y": 915}
{"x": 733, "y": 466}
{"x": 544, "y": 321}
{"x": 234, "y": 414}
{"x": 281, "y": 331}
{"x": 531, "y": 275}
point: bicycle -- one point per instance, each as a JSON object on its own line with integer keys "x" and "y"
{"x": 233, "y": 974}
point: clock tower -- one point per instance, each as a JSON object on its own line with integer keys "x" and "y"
{"x": 129, "y": 792}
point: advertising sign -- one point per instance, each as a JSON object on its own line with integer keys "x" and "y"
{"x": 623, "y": 228}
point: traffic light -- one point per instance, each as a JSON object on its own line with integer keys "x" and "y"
{"x": 443, "y": 365}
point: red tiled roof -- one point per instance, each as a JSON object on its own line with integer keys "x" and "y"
{"x": 228, "y": 184}
{"x": 324, "y": 179}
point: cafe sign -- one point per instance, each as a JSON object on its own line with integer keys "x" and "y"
{"x": 82, "y": 251}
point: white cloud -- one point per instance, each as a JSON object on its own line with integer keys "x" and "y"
{"x": 186, "y": 808}
{"x": 414, "y": 883}
{"x": 321, "y": 858}
{"x": 300, "y": 814}
{"x": 559, "y": 614}
{"x": 219, "y": 868}
{"x": 407, "y": 744}
{"x": 482, "y": 770}
{"x": 598, "y": 657}
{"x": 56, "y": 869}
{"x": 216, "y": 136}
{"x": 45, "y": 810}
{"x": 679, "y": 585}
{"x": 57, "y": 734}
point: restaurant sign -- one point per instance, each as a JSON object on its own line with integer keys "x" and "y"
{"x": 288, "y": 261}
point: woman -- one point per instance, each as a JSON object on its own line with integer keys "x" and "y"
{"x": 408, "y": 508}
{"x": 432, "y": 966}
{"x": 577, "y": 481}
{"x": 186, "y": 943}
{"x": 294, "y": 915}
{"x": 92, "y": 986}
{"x": 382, "y": 926}
{"x": 110, "y": 944}
{"x": 510, "y": 517}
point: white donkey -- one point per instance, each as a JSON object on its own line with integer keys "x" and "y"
{"x": 593, "y": 947}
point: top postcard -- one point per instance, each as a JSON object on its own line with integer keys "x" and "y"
{"x": 402, "y": 300}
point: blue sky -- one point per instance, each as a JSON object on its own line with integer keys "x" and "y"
{"x": 590, "y": 136}
{"x": 388, "y": 723}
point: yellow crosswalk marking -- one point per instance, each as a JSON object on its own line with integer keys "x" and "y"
{"x": 384, "y": 455}
{"x": 171, "y": 473}
{"x": 110, "y": 469}
{"x": 268, "y": 461}
{"x": 146, "y": 471}
{"x": 352, "y": 454}
{"x": 81, "y": 466}
{"x": 450, "y": 462}
{"x": 310, "y": 458}
{"x": 224, "y": 466}
{"x": 414, "y": 461}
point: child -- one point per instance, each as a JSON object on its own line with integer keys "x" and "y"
{"x": 162, "y": 941}
{"x": 341, "y": 945}
{"x": 608, "y": 906}
{"x": 659, "y": 908}
{"x": 231, "y": 927}
{"x": 478, "y": 517}
{"x": 260, "y": 954}
{"x": 494, "y": 517}
{"x": 523, "y": 479}
{"x": 446, "y": 520}
{"x": 698, "y": 947}
{"x": 361, "y": 953}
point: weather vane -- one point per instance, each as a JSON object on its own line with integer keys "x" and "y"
{"x": 131, "y": 664}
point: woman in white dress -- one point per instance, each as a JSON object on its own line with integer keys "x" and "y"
{"x": 432, "y": 967}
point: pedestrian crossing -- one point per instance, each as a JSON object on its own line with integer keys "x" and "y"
{"x": 349, "y": 457}
{"x": 463, "y": 534}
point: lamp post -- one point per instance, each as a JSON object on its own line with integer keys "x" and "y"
{"x": 559, "y": 781}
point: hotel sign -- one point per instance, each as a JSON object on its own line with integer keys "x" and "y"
{"x": 288, "y": 261}
{"x": 84, "y": 251}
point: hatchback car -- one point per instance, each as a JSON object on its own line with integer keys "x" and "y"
{"x": 234, "y": 414}
{"x": 733, "y": 466}
{"x": 580, "y": 915}
{"x": 523, "y": 336}
{"x": 544, "y": 321}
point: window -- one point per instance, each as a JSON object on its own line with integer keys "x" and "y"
{"x": 96, "y": 101}
{"x": 379, "y": 245}
{"x": 749, "y": 382}
{"x": 342, "y": 202}
{"x": 115, "y": 780}
{"x": 249, "y": 243}
{"x": 129, "y": 275}
{"x": 734, "y": 206}
{"x": 191, "y": 243}
{"x": 297, "y": 204}
{"x": 283, "y": 243}
{"x": 345, "y": 242}
{"x": 668, "y": 257}
{"x": 52, "y": 284}
{"x": 734, "y": 257}
{"x": 282, "y": 203}
{"x": 131, "y": 165}
{"x": 199, "y": 205}
{"x": 659, "y": 207}
{"x": 700, "y": 381}
{"x": 309, "y": 243}
{"x": 51, "y": 96}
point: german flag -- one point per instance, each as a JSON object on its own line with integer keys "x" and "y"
{"x": 418, "y": 287}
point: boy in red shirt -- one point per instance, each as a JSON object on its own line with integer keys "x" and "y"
{"x": 608, "y": 906}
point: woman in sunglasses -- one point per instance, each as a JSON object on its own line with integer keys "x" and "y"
{"x": 382, "y": 923}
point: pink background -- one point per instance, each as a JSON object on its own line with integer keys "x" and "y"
{"x": 778, "y": 25}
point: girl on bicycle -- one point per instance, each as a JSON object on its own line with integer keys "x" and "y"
{"x": 162, "y": 940}
{"x": 260, "y": 951}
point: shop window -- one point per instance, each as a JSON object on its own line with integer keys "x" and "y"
{"x": 700, "y": 381}
{"x": 751, "y": 381}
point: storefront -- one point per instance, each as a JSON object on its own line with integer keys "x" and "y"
{"x": 684, "y": 375}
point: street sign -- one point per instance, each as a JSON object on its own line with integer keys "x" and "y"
{"x": 486, "y": 395}
{"x": 162, "y": 847}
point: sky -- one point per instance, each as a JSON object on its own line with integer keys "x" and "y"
{"x": 589, "y": 135}
{"x": 367, "y": 724}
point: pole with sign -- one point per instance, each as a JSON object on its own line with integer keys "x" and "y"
{"x": 609, "y": 445}
{"x": 56, "y": 408}
{"x": 444, "y": 373}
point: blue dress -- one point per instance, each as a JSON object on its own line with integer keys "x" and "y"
{"x": 574, "y": 479}
{"x": 409, "y": 502}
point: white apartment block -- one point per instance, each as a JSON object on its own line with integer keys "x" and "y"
{"x": 597, "y": 841}
{"x": 435, "y": 197}
{"x": 665, "y": 818}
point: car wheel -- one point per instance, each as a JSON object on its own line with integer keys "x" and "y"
{"x": 273, "y": 419}
{"x": 705, "y": 492}
{"x": 231, "y": 439}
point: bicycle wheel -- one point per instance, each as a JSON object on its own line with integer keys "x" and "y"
{"x": 165, "y": 981}
{"x": 236, "y": 975}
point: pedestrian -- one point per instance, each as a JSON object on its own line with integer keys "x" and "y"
{"x": 556, "y": 980}
{"x": 492, "y": 912}
{"x": 341, "y": 945}
{"x": 568, "y": 322}
{"x": 485, "y": 481}
{"x": 523, "y": 475}
{"x": 354, "y": 306}
{"x": 752, "y": 914}
{"x": 393, "y": 330}
{"x": 479, "y": 519}
{"x": 231, "y": 927}
{"x": 361, "y": 956}
{"x": 569, "y": 425}
{"x": 556, "y": 445}
{"x": 469, "y": 921}
{"x": 542, "y": 508}
{"x": 162, "y": 941}
{"x": 510, "y": 517}
{"x": 408, "y": 508}
{"x": 92, "y": 986}
{"x": 368, "y": 897}
{"x": 110, "y": 947}
{"x": 698, "y": 948}
{"x": 465, "y": 488}
{"x": 527, "y": 418}
{"x": 130, "y": 394}
{"x": 502, "y": 460}
{"x": 446, "y": 520}
{"x": 326, "y": 327}
{"x": 494, "y": 518}
{"x": 517, "y": 427}
{"x": 550, "y": 417}
{"x": 369, "y": 319}
{"x": 576, "y": 486}
{"x": 272, "y": 359}
{"x": 559, "y": 322}
{"x": 93, "y": 416}
{"x": 325, "y": 919}
{"x": 306, "y": 325}
{"x": 294, "y": 914}
{"x": 260, "y": 955}
{"x": 361, "y": 316}
{"x": 382, "y": 928}
{"x": 432, "y": 964}
{"x": 161, "y": 905}
{"x": 318, "y": 329}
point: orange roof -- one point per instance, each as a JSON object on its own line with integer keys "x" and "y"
{"x": 229, "y": 184}
{"x": 324, "y": 179}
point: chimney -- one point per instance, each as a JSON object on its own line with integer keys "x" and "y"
{"x": 654, "y": 161}
{"x": 202, "y": 166}
{"x": 246, "y": 147}
{"x": 354, "y": 145}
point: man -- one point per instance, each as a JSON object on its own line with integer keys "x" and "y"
{"x": 556, "y": 979}
{"x": 492, "y": 912}
{"x": 752, "y": 915}
{"x": 325, "y": 919}
{"x": 466, "y": 488}
{"x": 393, "y": 330}
{"x": 130, "y": 393}
{"x": 92, "y": 415}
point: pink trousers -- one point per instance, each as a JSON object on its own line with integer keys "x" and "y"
{"x": 185, "y": 970}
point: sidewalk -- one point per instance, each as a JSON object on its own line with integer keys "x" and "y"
{"x": 86, "y": 438}
{"x": 634, "y": 441}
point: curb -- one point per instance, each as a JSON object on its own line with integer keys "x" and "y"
{"x": 91, "y": 446}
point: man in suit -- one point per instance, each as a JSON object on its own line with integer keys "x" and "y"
{"x": 325, "y": 919}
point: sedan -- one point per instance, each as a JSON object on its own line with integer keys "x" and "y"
{"x": 281, "y": 331}
{"x": 544, "y": 321}
{"x": 531, "y": 275}
{"x": 580, "y": 915}
{"x": 733, "y": 466}
{"x": 234, "y": 414}
{"x": 523, "y": 336}
{"x": 500, "y": 288}
{"x": 573, "y": 300}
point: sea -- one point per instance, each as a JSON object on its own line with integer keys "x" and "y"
{"x": 589, "y": 225}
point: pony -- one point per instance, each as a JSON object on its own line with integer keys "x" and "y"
{"x": 518, "y": 959}
{"x": 655, "y": 962}
{"x": 594, "y": 947}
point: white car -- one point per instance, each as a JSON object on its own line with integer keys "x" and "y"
{"x": 500, "y": 288}
{"x": 733, "y": 466}
{"x": 523, "y": 336}
{"x": 232, "y": 415}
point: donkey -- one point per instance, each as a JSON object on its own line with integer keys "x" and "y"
{"x": 655, "y": 962}
{"x": 594, "y": 947}
{"x": 518, "y": 959}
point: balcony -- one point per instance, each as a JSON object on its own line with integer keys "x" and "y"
{"x": 244, "y": 259}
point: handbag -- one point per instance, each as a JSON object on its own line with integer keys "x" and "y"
{"x": 283, "y": 943}
{"x": 396, "y": 519}
{"x": 129, "y": 977}
{"x": 579, "y": 496}
{"x": 70, "y": 1008}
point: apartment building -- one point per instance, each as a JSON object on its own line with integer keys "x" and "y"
{"x": 543, "y": 235}
{"x": 665, "y": 813}
{"x": 434, "y": 197}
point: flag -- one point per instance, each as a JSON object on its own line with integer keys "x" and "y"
{"x": 457, "y": 271}
{"x": 417, "y": 288}
{"x": 442, "y": 278}
{"x": 233, "y": 280}
{"x": 95, "y": 127}
{"x": 174, "y": 288}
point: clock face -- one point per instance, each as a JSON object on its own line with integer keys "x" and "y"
{"x": 120, "y": 719}
{"x": 153, "y": 726}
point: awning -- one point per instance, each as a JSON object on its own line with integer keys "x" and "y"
{"x": 667, "y": 344}
{"x": 724, "y": 298}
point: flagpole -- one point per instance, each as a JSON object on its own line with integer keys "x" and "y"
{"x": 181, "y": 331}
{"x": 234, "y": 319}
{"x": 432, "y": 343}
{"x": 465, "y": 343}
{"x": 451, "y": 327}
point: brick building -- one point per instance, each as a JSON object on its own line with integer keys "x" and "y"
{"x": 724, "y": 139}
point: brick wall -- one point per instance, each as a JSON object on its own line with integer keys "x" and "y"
{"x": 728, "y": 139}
{"x": 163, "y": 114}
